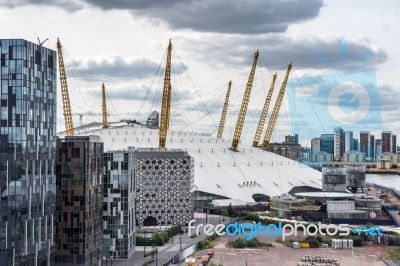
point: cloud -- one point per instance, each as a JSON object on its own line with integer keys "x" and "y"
{"x": 68, "y": 5}
{"x": 117, "y": 67}
{"x": 144, "y": 93}
{"x": 277, "y": 50}
{"x": 237, "y": 16}
{"x": 389, "y": 99}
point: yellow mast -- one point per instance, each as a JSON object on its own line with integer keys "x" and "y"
{"x": 245, "y": 103}
{"x": 169, "y": 104}
{"x": 224, "y": 110}
{"x": 166, "y": 98}
{"x": 264, "y": 113}
{"x": 69, "y": 127}
{"x": 104, "y": 106}
{"x": 275, "y": 112}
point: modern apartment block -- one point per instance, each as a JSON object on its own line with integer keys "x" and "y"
{"x": 338, "y": 142}
{"x": 348, "y": 141}
{"x": 378, "y": 148}
{"x": 163, "y": 182}
{"x": 315, "y": 145}
{"x": 394, "y": 143}
{"x": 367, "y": 144}
{"x": 27, "y": 146}
{"x": 79, "y": 203}
{"x": 387, "y": 139}
{"x": 119, "y": 223}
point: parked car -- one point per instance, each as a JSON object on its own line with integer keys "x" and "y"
{"x": 314, "y": 244}
{"x": 296, "y": 245}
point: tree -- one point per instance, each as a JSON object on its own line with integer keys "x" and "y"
{"x": 224, "y": 213}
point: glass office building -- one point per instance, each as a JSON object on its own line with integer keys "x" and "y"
{"x": 327, "y": 143}
{"x": 27, "y": 144}
{"x": 119, "y": 229}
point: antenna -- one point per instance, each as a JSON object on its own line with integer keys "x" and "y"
{"x": 41, "y": 43}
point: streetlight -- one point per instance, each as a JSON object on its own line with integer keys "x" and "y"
{"x": 156, "y": 256}
{"x": 144, "y": 246}
{"x": 180, "y": 240}
{"x": 172, "y": 228}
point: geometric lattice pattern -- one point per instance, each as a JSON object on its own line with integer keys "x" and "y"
{"x": 163, "y": 181}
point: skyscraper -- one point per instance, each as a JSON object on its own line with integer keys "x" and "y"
{"x": 372, "y": 146}
{"x": 338, "y": 142}
{"x": 79, "y": 207}
{"x": 27, "y": 142}
{"x": 394, "y": 143}
{"x": 367, "y": 143}
{"x": 327, "y": 143}
{"x": 387, "y": 141}
{"x": 315, "y": 145}
{"x": 355, "y": 144}
{"x": 348, "y": 141}
{"x": 119, "y": 223}
{"x": 378, "y": 148}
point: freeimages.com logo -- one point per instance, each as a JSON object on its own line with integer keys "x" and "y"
{"x": 345, "y": 98}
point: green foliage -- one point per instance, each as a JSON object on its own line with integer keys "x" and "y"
{"x": 175, "y": 230}
{"x": 251, "y": 216}
{"x": 205, "y": 244}
{"x": 239, "y": 243}
{"x": 357, "y": 240}
{"x": 224, "y": 213}
{"x": 159, "y": 238}
{"x": 369, "y": 225}
{"x": 243, "y": 243}
{"x": 244, "y": 213}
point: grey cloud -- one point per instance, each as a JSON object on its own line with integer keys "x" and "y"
{"x": 143, "y": 93}
{"x": 389, "y": 99}
{"x": 68, "y": 5}
{"x": 277, "y": 50}
{"x": 238, "y": 16}
{"x": 243, "y": 17}
{"x": 114, "y": 66}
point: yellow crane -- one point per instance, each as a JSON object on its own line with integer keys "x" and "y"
{"x": 224, "y": 110}
{"x": 264, "y": 113}
{"x": 245, "y": 103}
{"x": 275, "y": 112}
{"x": 104, "y": 106}
{"x": 166, "y": 99}
{"x": 69, "y": 127}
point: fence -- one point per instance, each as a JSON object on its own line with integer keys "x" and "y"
{"x": 388, "y": 240}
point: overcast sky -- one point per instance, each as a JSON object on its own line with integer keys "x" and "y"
{"x": 122, "y": 43}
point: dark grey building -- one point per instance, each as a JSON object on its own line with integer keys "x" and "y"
{"x": 288, "y": 150}
{"x": 27, "y": 144}
{"x": 119, "y": 223}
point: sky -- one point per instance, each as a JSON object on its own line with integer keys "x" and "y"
{"x": 123, "y": 42}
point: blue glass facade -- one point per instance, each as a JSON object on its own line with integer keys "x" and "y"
{"x": 327, "y": 143}
{"x": 27, "y": 144}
